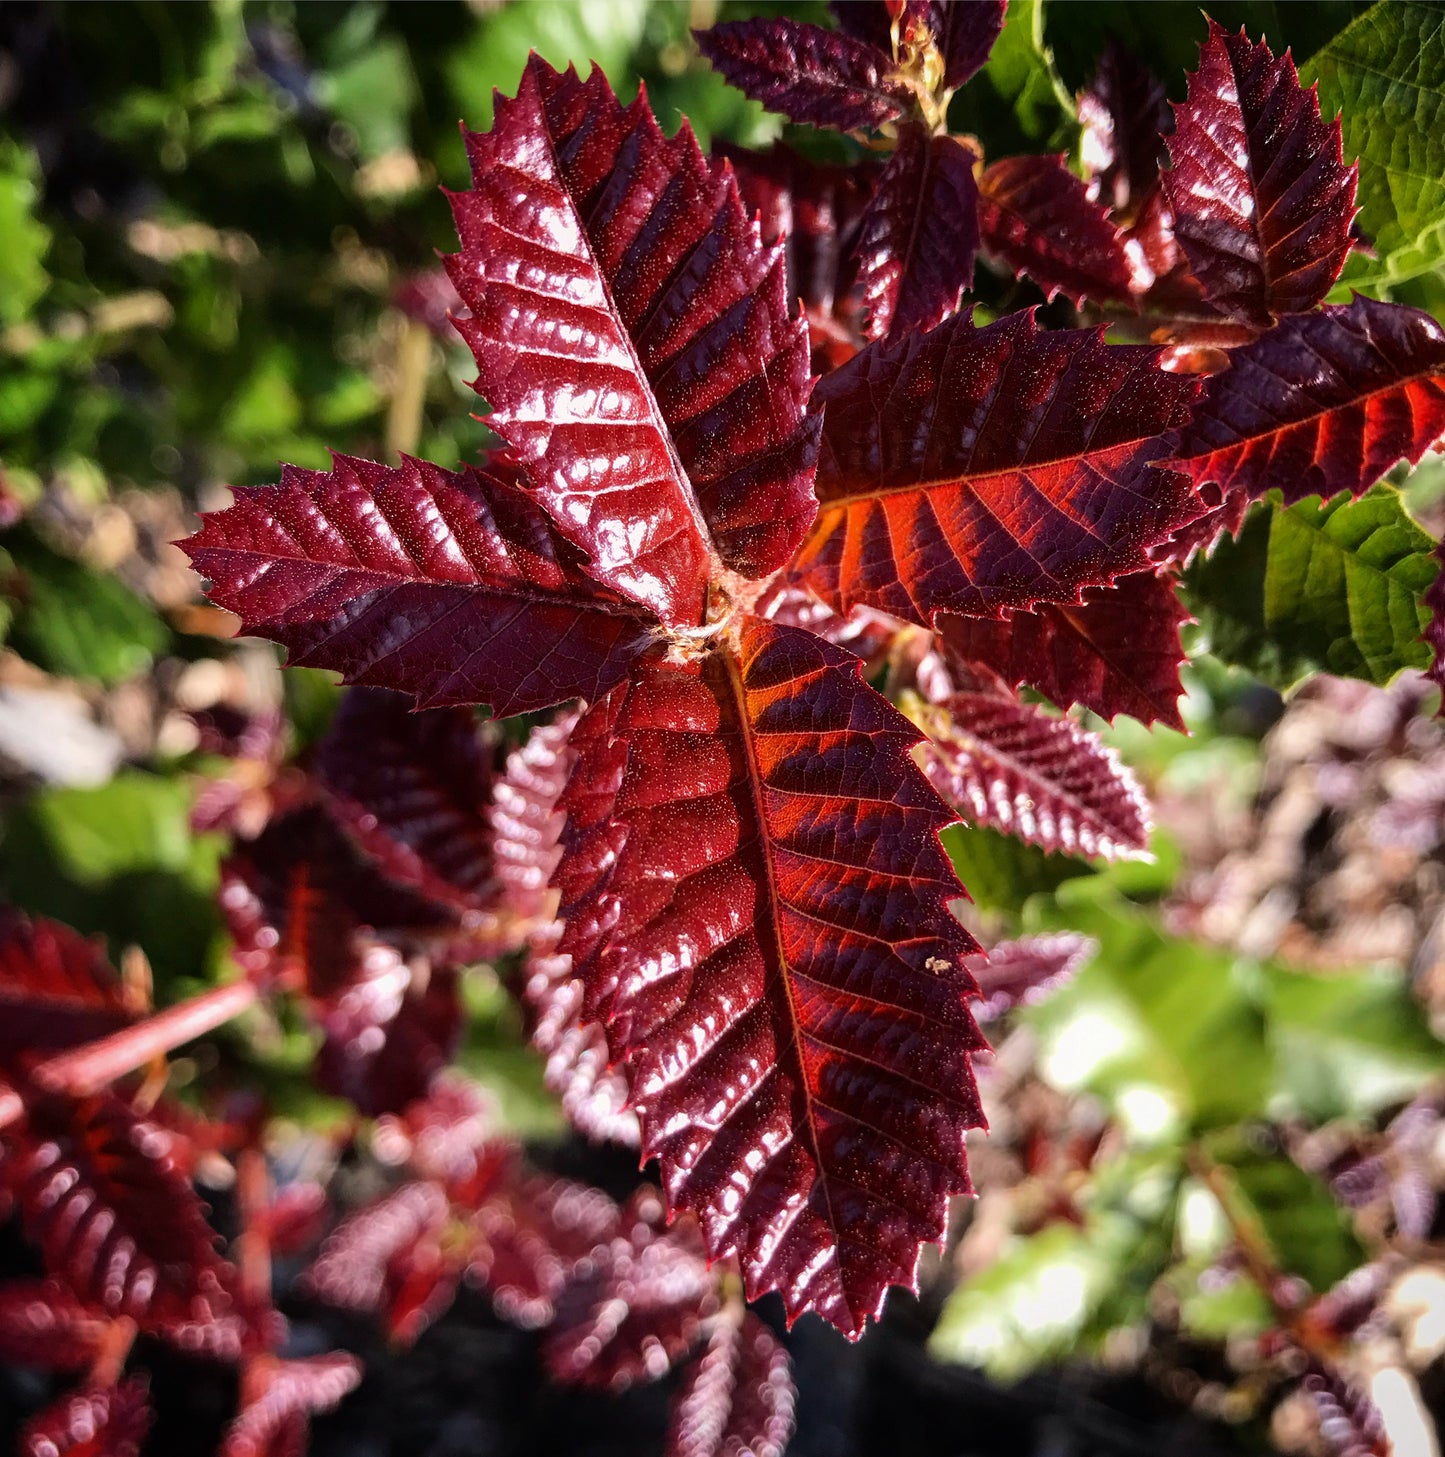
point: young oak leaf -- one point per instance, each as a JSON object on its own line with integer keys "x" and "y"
{"x": 1322, "y": 403}
{"x": 452, "y": 586}
{"x": 96, "y": 1421}
{"x": 1262, "y": 199}
{"x": 633, "y": 338}
{"x": 975, "y": 470}
{"x": 772, "y": 951}
{"x": 826, "y": 77}
{"x": 1036, "y": 216}
{"x": 1011, "y": 766}
{"x": 918, "y": 235}
{"x": 1118, "y": 651}
{"x": 737, "y": 1396}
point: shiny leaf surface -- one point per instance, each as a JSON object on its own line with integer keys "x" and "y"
{"x": 1012, "y": 766}
{"x": 736, "y": 1397}
{"x": 448, "y": 585}
{"x": 809, "y": 74}
{"x": 632, "y": 336}
{"x": 1262, "y": 199}
{"x": 1036, "y": 216}
{"x": 918, "y": 235}
{"x": 972, "y": 470}
{"x": 780, "y": 970}
{"x": 1116, "y": 652}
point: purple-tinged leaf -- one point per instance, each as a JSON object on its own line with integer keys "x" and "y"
{"x": 109, "y": 1421}
{"x": 414, "y": 790}
{"x": 42, "y": 1324}
{"x": 918, "y": 236}
{"x": 975, "y": 470}
{"x": 1123, "y": 112}
{"x": 279, "y": 1396}
{"x": 807, "y": 73}
{"x": 523, "y": 817}
{"x": 636, "y": 1306}
{"x": 1024, "y": 972}
{"x": 100, "y": 1194}
{"x": 1322, "y": 403}
{"x": 1350, "y": 1423}
{"x": 865, "y": 20}
{"x": 1262, "y": 199}
{"x": 736, "y": 1397}
{"x": 1116, "y": 652}
{"x": 451, "y": 586}
{"x": 1045, "y": 780}
{"x": 1435, "y": 634}
{"x": 964, "y": 32}
{"x": 1036, "y": 216}
{"x": 780, "y": 970}
{"x": 633, "y": 337}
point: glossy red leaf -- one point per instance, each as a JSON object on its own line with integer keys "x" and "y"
{"x": 1435, "y": 633}
{"x": 451, "y": 586}
{"x": 282, "y": 1394}
{"x": 632, "y": 336}
{"x": 101, "y": 1197}
{"x": 974, "y": 470}
{"x": 532, "y": 1238}
{"x": 1323, "y": 403}
{"x": 809, "y": 74}
{"x": 1262, "y": 199}
{"x": 1116, "y": 652}
{"x": 780, "y": 969}
{"x": 56, "y": 989}
{"x": 109, "y": 1421}
{"x": 1023, "y": 972}
{"x": 636, "y": 1306}
{"x": 1043, "y": 779}
{"x": 414, "y": 790}
{"x": 1123, "y": 112}
{"x": 918, "y": 235}
{"x": 963, "y": 30}
{"x": 42, "y": 1324}
{"x": 736, "y": 1397}
{"x": 1035, "y": 216}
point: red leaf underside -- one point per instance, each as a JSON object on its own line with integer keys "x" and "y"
{"x": 1043, "y": 779}
{"x": 1024, "y": 972}
{"x": 737, "y": 1396}
{"x": 1262, "y": 199}
{"x": 449, "y": 585}
{"x": 1323, "y": 403}
{"x": 632, "y": 336}
{"x": 918, "y": 235}
{"x": 975, "y": 470}
{"x": 93, "y": 1422}
{"x": 1036, "y": 216}
{"x": 775, "y": 958}
{"x": 1116, "y": 652}
{"x": 809, "y": 74}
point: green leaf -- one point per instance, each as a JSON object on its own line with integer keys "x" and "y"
{"x": 374, "y": 93}
{"x": 23, "y": 278}
{"x": 1019, "y": 84}
{"x": 78, "y": 622}
{"x": 1334, "y": 588}
{"x": 1001, "y": 873}
{"x": 1386, "y": 73}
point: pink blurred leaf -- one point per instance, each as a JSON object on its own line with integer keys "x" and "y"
{"x": 736, "y": 1397}
{"x": 1023, "y": 972}
{"x": 107, "y": 1421}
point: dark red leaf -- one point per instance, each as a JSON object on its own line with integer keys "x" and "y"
{"x": 1036, "y": 216}
{"x": 1323, "y": 403}
{"x": 295, "y": 1218}
{"x": 532, "y": 1238}
{"x": 1435, "y": 633}
{"x": 779, "y": 966}
{"x": 636, "y": 1306}
{"x": 106, "y": 1421}
{"x": 736, "y": 1397}
{"x": 279, "y": 1394}
{"x": 102, "y": 1198}
{"x": 632, "y": 336}
{"x": 865, "y": 20}
{"x": 1116, "y": 652}
{"x": 1021, "y": 973}
{"x": 523, "y": 818}
{"x": 1159, "y": 272}
{"x": 43, "y": 1324}
{"x": 1262, "y": 199}
{"x": 56, "y": 989}
{"x": 809, "y": 74}
{"x": 414, "y": 790}
{"x": 1123, "y": 112}
{"x": 974, "y": 470}
{"x": 451, "y": 586}
{"x": 1043, "y": 779}
{"x": 918, "y": 235}
{"x": 964, "y": 32}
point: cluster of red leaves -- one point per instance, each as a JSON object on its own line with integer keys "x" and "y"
{"x": 755, "y": 965}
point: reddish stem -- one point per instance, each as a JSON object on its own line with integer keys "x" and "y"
{"x": 85, "y": 1070}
